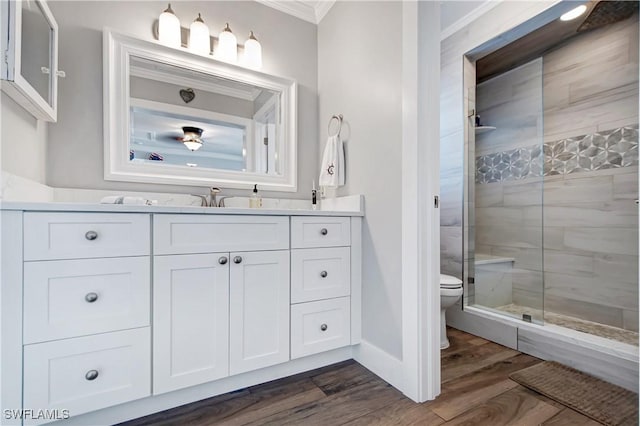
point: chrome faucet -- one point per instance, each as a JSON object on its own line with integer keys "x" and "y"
{"x": 221, "y": 201}
{"x": 211, "y": 201}
{"x": 213, "y": 192}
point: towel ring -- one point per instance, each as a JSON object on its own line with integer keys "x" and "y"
{"x": 335, "y": 117}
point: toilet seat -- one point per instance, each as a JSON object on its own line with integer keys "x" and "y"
{"x": 449, "y": 282}
{"x": 450, "y": 292}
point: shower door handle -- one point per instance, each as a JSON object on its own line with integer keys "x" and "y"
{"x": 637, "y": 202}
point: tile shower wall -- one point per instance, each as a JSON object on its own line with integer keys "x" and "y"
{"x": 590, "y": 177}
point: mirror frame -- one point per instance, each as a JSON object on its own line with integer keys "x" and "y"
{"x": 117, "y": 50}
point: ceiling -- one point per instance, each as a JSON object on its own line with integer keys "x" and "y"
{"x": 454, "y": 14}
{"x": 549, "y": 36}
{"x": 309, "y": 10}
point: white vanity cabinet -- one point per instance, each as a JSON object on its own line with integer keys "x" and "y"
{"x": 116, "y": 314}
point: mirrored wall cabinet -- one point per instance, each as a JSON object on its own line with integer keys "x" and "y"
{"x": 30, "y": 48}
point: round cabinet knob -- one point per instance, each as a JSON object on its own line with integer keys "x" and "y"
{"x": 91, "y": 375}
{"x": 323, "y": 327}
{"x": 324, "y": 231}
{"x": 91, "y": 297}
{"x": 91, "y": 235}
{"x": 223, "y": 260}
{"x": 237, "y": 259}
{"x": 323, "y": 274}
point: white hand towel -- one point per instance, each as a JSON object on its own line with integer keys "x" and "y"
{"x": 332, "y": 167}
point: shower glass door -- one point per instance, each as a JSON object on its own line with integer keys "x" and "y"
{"x": 504, "y": 223}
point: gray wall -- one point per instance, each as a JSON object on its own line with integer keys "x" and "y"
{"x": 24, "y": 143}
{"x": 289, "y": 49}
{"x": 359, "y": 76}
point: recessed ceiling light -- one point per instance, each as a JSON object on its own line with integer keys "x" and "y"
{"x": 574, "y": 13}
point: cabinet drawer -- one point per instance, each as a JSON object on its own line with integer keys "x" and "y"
{"x": 320, "y": 326}
{"x": 321, "y": 273}
{"x": 49, "y": 236}
{"x": 69, "y": 298}
{"x": 88, "y": 373}
{"x": 308, "y": 232}
{"x": 187, "y": 234}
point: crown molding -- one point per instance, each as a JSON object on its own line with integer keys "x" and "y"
{"x": 322, "y": 8}
{"x": 468, "y": 18}
{"x": 308, "y": 10}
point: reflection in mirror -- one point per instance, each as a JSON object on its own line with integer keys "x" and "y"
{"x": 237, "y": 122}
{"x": 35, "y": 53}
{"x": 158, "y": 136}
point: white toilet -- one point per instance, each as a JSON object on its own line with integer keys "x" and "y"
{"x": 450, "y": 292}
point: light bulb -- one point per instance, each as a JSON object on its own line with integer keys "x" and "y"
{"x": 169, "y": 28}
{"x": 193, "y": 145}
{"x": 252, "y": 52}
{"x": 227, "y": 46}
{"x": 199, "y": 41}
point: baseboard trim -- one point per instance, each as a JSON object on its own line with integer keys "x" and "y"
{"x": 382, "y": 364}
{"x": 499, "y": 331}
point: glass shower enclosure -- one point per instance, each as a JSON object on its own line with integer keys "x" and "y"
{"x": 550, "y": 227}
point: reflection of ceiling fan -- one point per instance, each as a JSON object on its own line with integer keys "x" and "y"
{"x": 191, "y": 137}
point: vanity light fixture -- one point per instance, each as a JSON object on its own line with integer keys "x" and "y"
{"x": 227, "y": 46}
{"x": 252, "y": 52}
{"x": 199, "y": 41}
{"x": 574, "y": 13}
{"x": 191, "y": 138}
{"x": 169, "y": 28}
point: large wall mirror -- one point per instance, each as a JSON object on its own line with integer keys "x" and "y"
{"x": 173, "y": 117}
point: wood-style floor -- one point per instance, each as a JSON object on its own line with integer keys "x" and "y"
{"x": 476, "y": 390}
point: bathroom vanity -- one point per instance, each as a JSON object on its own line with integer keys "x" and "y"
{"x": 121, "y": 311}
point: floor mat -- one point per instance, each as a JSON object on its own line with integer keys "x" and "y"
{"x": 604, "y": 402}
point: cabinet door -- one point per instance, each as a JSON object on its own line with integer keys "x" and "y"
{"x": 259, "y": 297}
{"x": 190, "y": 320}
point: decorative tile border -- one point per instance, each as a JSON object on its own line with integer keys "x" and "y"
{"x": 514, "y": 164}
{"x": 596, "y": 151}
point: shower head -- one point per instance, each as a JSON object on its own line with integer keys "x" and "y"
{"x": 608, "y": 12}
